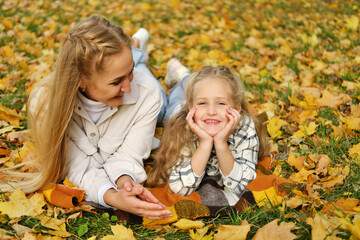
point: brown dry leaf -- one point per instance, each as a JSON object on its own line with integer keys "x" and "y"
{"x": 273, "y": 231}
{"x": 185, "y": 224}
{"x": 19, "y": 136}
{"x": 322, "y": 165}
{"x": 233, "y": 232}
{"x": 19, "y": 205}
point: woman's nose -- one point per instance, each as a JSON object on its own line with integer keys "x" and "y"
{"x": 125, "y": 87}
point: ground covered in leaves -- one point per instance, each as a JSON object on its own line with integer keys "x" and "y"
{"x": 300, "y": 62}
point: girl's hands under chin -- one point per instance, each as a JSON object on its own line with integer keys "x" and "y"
{"x": 202, "y": 135}
{"x": 234, "y": 119}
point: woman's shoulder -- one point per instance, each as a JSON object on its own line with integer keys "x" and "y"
{"x": 144, "y": 80}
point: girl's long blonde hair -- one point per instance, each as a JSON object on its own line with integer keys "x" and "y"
{"x": 178, "y": 135}
{"x": 52, "y": 101}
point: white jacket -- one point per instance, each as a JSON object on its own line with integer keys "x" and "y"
{"x": 98, "y": 154}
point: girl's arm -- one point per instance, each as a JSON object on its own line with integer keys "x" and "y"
{"x": 202, "y": 153}
{"x": 183, "y": 180}
{"x": 244, "y": 148}
{"x": 225, "y": 156}
{"x": 187, "y": 174}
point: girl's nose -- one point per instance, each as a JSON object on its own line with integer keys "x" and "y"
{"x": 211, "y": 109}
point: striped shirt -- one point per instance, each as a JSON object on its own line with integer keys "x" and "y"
{"x": 243, "y": 144}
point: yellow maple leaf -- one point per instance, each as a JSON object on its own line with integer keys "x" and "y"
{"x": 120, "y": 233}
{"x": 274, "y": 126}
{"x": 273, "y": 231}
{"x": 262, "y": 198}
{"x": 293, "y": 161}
{"x": 355, "y": 151}
{"x": 233, "y": 232}
{"x": 10, "y": 116}
{"x": 353, "y": 228}
{"x": 351, "y": 122}
{"x": 19, "y": 205}
{"x": 329, "y": 100}
{"x": 306, "y": 130}
{"x": 201, "y": 233}
{"x": 301, "y": 176}
{"x": 352, "y": 23}
{"x": 185, "y": 224}
{"x": 322, "y": 226}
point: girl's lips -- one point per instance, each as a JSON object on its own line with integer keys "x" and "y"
{"x": 211, "y": 121}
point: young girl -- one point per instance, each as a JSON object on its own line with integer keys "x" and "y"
{"x": 93, "y": 119}
{"x": 210, "y": 135}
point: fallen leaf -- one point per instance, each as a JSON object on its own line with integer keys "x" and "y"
{"x": 273, "y": 231}
{"x": 274, "y": 126}
{"x": 185, "y": 224}
{"x": 233, "y": 232}
{"x": 19, "y": 205}
{"x": 120, "y": 233}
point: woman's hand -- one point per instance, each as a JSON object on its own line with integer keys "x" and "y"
{"x": 134, "y": 198}
{"x": 234, "y": 118}
{"x": 199, "y": 132}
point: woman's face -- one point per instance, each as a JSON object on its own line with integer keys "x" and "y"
{"x": 212, "y": 98}
{"x": 109, "y": 85}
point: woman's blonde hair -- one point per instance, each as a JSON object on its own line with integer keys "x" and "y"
{"x": 178, "y": 135}
{"x": 52, "y": 101}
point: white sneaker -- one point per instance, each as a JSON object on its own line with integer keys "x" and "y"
{"x": 175, "y": 71}
{"x": 143, "y": 36}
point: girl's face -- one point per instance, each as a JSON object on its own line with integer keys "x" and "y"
{"x": 110, "y": 85}
{"x": 212, "y": 98}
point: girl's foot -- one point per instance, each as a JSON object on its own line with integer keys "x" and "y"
{"x": 175, "y": 72}
{"x": 140, "y": 40}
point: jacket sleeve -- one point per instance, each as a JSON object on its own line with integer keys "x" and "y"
{"x": 84, "y": 166}
{"x": 183, "y": 180}
{"x": 136, "y": 145}
{"x": 245, "y": 151}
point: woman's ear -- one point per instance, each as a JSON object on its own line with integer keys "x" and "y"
{"x": 83, "y": 85}
{"x": 238, "y": 107}
{"x": 190, "y": 107}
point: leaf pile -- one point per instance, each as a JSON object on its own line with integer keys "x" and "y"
{"x": 300, "y": 63}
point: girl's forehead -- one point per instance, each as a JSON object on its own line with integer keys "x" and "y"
{"x": 212, "y": 80}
